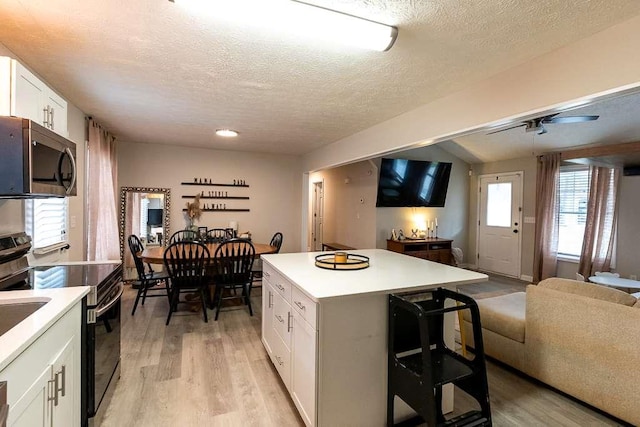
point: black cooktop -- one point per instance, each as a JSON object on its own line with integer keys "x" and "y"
{"x": 65, "y": 276}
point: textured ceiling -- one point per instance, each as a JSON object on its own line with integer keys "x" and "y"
{"x": 618, "y": 123}
{"x": 150, "y": 71}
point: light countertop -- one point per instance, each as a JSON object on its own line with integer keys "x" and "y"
{"x": 18, "y": 338}
{"x": 388, "y": 272}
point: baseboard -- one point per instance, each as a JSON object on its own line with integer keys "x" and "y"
{"x": 526, "y": 278}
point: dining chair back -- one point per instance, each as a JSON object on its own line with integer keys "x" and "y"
{"x": 276, "y": 241}
{"x": 148, "y": 280}
{"x": 233, "y": 263}
{"x": 184, "y": 236}
{"x": 218, "y": 235}
{"x": 186, "y": 265}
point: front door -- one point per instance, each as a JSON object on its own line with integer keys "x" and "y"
{"x": 499, "y": 224}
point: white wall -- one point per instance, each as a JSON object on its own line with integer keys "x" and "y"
{"x": 362, "y": 225}
{"x": 12, "y": 211}
{"x": 452, "y": 218}
{"x": 627, "y": 253}
{"x": 274, "y": 189}
{"x": 346, "y": 219}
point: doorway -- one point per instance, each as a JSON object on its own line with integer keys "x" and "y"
{"x": 317, "y": 209}
{"x": 499, "y": 223}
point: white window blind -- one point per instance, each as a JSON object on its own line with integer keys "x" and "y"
{"x": 573, "y": 193}
{"x": 46, "y": 221}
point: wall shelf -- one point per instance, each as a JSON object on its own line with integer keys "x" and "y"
{"x": 214, "y": 184}
{"x": 218, "y": 197}
{"x": 222, "y": 210}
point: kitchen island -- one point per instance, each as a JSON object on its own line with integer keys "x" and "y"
{"x": 326, "y": 331}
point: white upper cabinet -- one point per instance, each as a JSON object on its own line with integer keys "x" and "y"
{"x": 25, "y": 95}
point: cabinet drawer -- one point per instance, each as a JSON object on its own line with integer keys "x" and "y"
{"x": 419, "y": 254}
{"x": 279, "y": 283}
{"x": 281, "y": 358}
{"x": 303, "y": 305}
{"x": 282, "y": 319}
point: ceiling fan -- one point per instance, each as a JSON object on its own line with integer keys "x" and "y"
{"x": 537, "y": 125}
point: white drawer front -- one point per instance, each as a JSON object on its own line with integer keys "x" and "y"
{"x": 282, "y": 319}
{"x": 281, "y": 358}
{"x": 279, "y": 283}
{"x": 304, "y": 306}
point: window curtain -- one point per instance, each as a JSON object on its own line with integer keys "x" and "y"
{"x": 545, "y": 257}
{"x": 599, "y": 230}
{"x": 102, "y": 236}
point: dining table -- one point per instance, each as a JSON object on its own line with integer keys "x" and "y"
{"x": 616, "y": 282}
{"x": 155, "y": 254}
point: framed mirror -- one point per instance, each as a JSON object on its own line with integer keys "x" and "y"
{"x": 144, "y": 211}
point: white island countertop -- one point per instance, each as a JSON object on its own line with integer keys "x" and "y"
{"x": 21, "y": 336}
{"x": 388, "y": 272}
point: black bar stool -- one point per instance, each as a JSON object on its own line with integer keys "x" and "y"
{"x": 420, "y": 363}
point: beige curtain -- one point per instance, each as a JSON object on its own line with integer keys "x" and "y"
{"x": 103, "y": 239}
{"x": 599, "y": 231}
{"x": 546, "y": 238}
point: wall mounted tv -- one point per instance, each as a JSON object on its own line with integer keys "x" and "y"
{"x": 154, "y": 216}
{"x": 412, "y": 183}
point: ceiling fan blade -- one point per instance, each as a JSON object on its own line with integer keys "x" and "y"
{"x": 569, "y": 119}
{"x": 512, "y": 127}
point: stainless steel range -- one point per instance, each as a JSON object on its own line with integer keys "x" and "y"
{"x": 101, "y": 322}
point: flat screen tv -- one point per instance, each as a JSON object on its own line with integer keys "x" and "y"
{"x": 413, "y": 183}
{"x": 154, "y": 216}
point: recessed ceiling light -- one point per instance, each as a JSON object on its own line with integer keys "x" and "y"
{"x": 227, "y": 133}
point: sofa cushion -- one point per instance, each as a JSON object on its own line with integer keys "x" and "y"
{"x": 590, "y": 290}
{"x": 504, "y": 315}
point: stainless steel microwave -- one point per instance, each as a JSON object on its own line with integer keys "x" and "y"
{"x": 35, "y": 162}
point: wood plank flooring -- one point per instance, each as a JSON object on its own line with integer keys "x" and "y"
{"x": 193, "y": 373}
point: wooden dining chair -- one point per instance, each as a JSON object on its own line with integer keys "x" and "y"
{"x": 186, "y": 265}
{"x": 233, "y": 261}
{"x": 184, "y": 236}
{"x": 276, "y": 241}
{"x": 218, "y": 235}
{"x": 148, "y": 280}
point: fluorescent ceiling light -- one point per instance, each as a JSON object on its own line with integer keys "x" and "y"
{"x": 300, "y": 19}
{"x": 227, "y": 133}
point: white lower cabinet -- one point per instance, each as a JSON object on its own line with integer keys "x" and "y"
{"x": 291, "y": 340}
{"x": 43, "y": 382}
{"x": 303, "y": 368}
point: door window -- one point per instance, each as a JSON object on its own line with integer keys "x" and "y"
{"x": 499, "y": 204}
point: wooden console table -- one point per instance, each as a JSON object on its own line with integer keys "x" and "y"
{"x": 435, "y": 249}
{"x": 335, "y": 247}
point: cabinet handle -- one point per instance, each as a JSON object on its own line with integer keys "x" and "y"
{"x": 63, "y": 374}
{"x": 45, "y": 120}
{"x": 266, "y": 274}
{"x": 280, "y": 319}
{"x": 300, "y": 305}
{"x": 279, "y": 359}
{"x": 270, "y": 299}
{"x": 51, "y": 118}
{"x": 289, "y": 322}
{"x": 279, "y": 286}
{"x": 52, "y": 392}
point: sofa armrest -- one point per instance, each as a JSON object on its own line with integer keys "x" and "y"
{"x": 586, "y": 347}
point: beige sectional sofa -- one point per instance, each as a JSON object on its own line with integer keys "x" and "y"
{"x": 581, "y": 338}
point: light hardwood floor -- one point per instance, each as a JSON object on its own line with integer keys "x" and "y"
{"x": 193, "y": 373}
